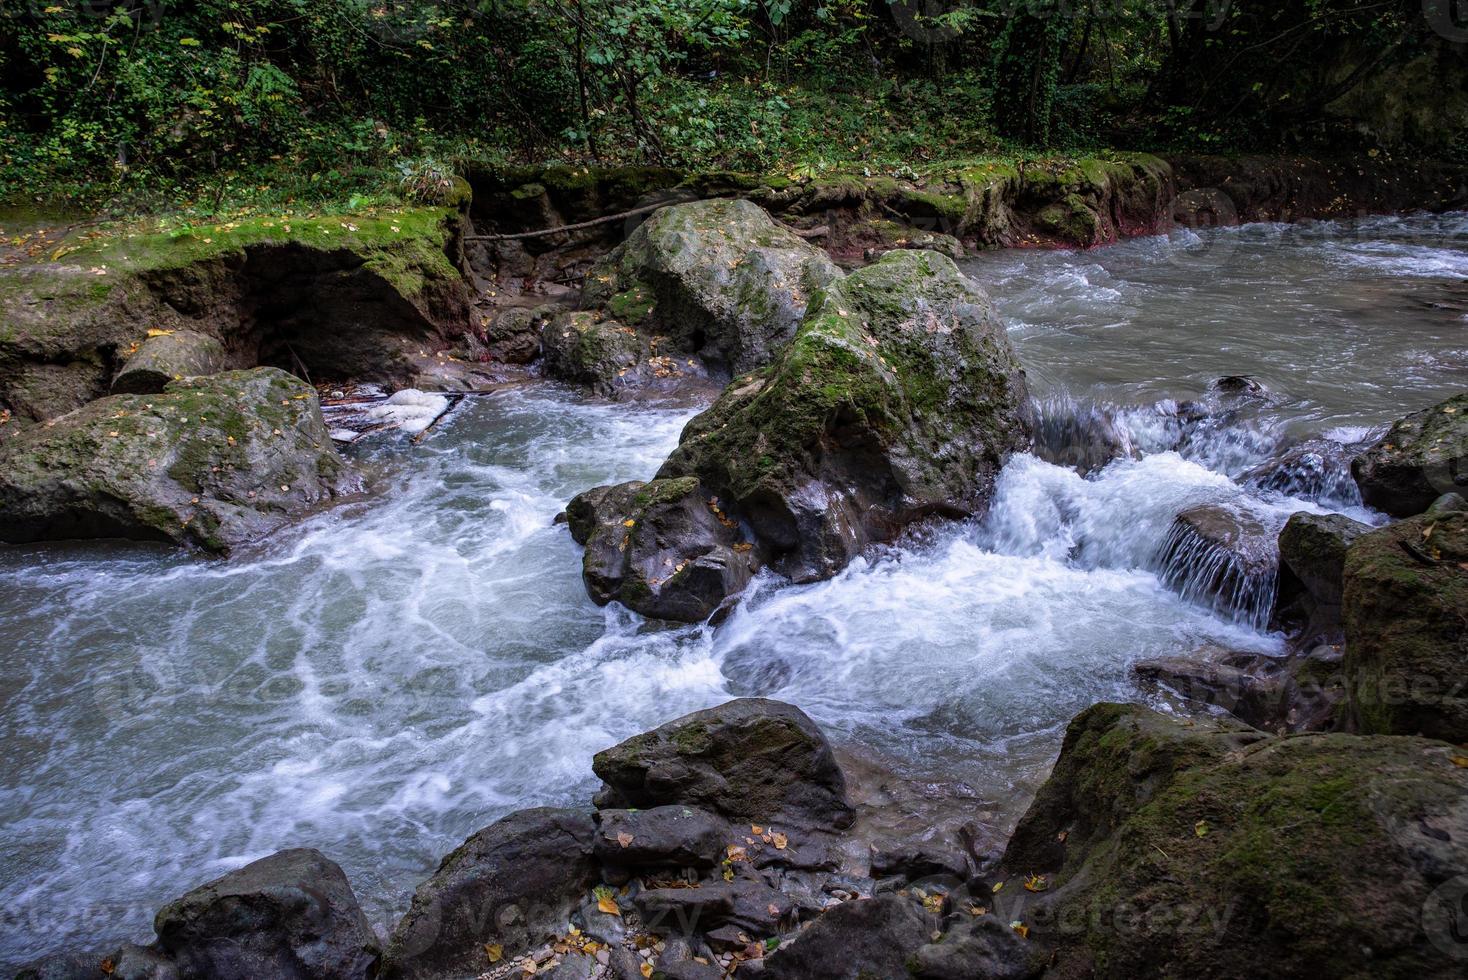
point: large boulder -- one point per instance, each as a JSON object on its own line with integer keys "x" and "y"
{"x": 853, "y": 941}
{"x": 169, "y": 356}
{"x": 748, "y": 760}
{"x": 719, "y": 279}
{"x": 290, "y": 915}
{"x": 1422, "y": 457}
{"x": 580, "y": 347}
{"x": 1406, "y": 625}
{"x": 513, "y": 885}
{"x": 899, "y": 399}
{"x": 1200, "y": 849}
{"x": 213, "y": 462}
{"x": 1312, "y": 559}
{"x": 663, "y": 549}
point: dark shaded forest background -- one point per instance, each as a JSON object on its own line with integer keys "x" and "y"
{"x": 151, "y": 101}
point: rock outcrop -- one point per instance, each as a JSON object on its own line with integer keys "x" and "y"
{"x": 1406, "y": 626}
{"x": 213, "y": 462}
{"x": 1191, "y": 848}
{"x": 1422, "y": 457}
{"x": 1312, "y": 559}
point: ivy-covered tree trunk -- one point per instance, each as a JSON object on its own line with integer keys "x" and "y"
{"x": 1026, "y": 64}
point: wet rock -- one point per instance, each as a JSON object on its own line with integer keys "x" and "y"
{"x": 1195, "y": 848}
{"x": 128, "y": 962}
{"x": 664, "y": 836}
{"x": 719, "y": 279}
{"x": 1422, "y": 457}
{"x": 513, "y": 884}
{"x": 898, "y": 400}
{"x": 1299, "y": 691}
{"x": 747, "y": 760}
{"x": 169, "y": 357}
{"x": 1405, "y": 602}
{"x": 1312, "y": 550}
{"x": 292, "y": 914}
{"x": 1318, "y": 470}
{"x": 214, "y": 462}
{"x": 1085, "y": 437}
{"x": 979, "y": 947}
{"x": 869, "y": 937}
{"x": 663, "y": 549}
{"x": 583, "y": 348}
{"x": 1222, "y": 557}
{"x": 1238, "y": 386}
{"x": 751, "y": 906}
{"x": 513, "y": 336}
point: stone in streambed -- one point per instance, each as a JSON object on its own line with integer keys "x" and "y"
{"x": 513, "y": 336}
{"x": 985, "y": 947}
{"x": 1422, "y": 457}
{"x": 750, "y": 760}
{"x": 1223, "y": 557}
{"x": 663, "y": 836}
{"x": 1312, "y": 551}
{"x": 717, "y": 279}
{"x": 663, "y": 549}
{"x": 1296, "y": 692}
{"x": 1406, "y": 625}
{"x": 169, "y": 357}
{"x": 214, "y": 462}
{"x": 744, "y": 903}
{"x": 290, "y": 915}
{"x": 899, "y": 399}
{"x": 1317, "y": 469}
{"x": 512, "y": 884}
{"x": 1204, "y": 849}
{"x": 868, "y": 937}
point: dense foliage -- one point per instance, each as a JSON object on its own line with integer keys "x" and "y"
{"x": 216, "y": 98}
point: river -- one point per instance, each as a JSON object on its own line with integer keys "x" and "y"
{"x": 391, "y": 676}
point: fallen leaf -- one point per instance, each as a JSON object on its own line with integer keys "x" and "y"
{"x": 781, "y": 841}
{"x": 1200, "y": 828}
{"x": 756, "y": 829}
{"x": 645, "y": 969}
{"x": 624, "y": 839}
{"x": 629, "y": 522}
{"x": 736, "y": 853}
{"x": 607, "y": 902}
{"x": 1036, "y": 883}
{"x": 998, "y": 885}
{"x": 494, "y": 951}
{"x": 1021, "y": 928}
{"x": 1461, "y": 761}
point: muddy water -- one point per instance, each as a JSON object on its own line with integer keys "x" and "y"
{"x": 388, "y": 678}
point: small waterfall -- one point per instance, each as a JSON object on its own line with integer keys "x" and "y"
{"x": 1084, "y": 436}
{"x": 1318, "y": 470}
{"x": 1224, "y": 559}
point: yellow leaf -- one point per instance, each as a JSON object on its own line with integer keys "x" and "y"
{"x": 756, "y": 829}
{"x": 735, "y": 853}
{"x": 607, "y": 902}
{"x": 1461, "y": 761}
{"x": 646, "y": 969}
{"x": 494, "y": 951}
{"x": 1021, "y": 928}
{"x": 781, "y": 841}
{"x": 629, "y": 522}
{"x": 998, "y": 885}
{"x": 1201, "y": 828}
{"x": 158, "y": 332}
{"x": 1036, "y": 883}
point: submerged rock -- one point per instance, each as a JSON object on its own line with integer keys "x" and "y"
{"x": 1318, "y": 470}
{"x": 1203, "y": 849}
{"x": 1222, "y": 557}
{"x": 899, "y": 399}
{"x": 1422, "y": 457}
{"x": 1406, "y": 625}
{"x": 214, "y": 462}
{"x": 663, "y": 549}
{"x": 512, "y": 885}
{"x": 747, "y": 760}
{"x": 718, "y": 279}
{"x": 1085, "y": 437}
{"x": 169, "y": 357}
{"x": 291, "y": 915}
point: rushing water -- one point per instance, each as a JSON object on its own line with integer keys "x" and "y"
{"x": 391, "y": 676}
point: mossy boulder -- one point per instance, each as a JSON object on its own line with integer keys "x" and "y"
{"x": 751, "y": 759}
{"x": 718, "y": 279}
{"x": 1205, "y": 849}
{"x": 899, "y": 399}
{"x": 166, "y": 357}
{"x": 1312, "y": 570}
{"x": 581, "y": 347}
{"x": 1406, "y": 625}
{"x": 1422, "y": 457}
{"x": 212, "y": 462}
{"x": 663, "y": 549}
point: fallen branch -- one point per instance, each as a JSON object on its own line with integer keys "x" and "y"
{"x": 578, "y": 226}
